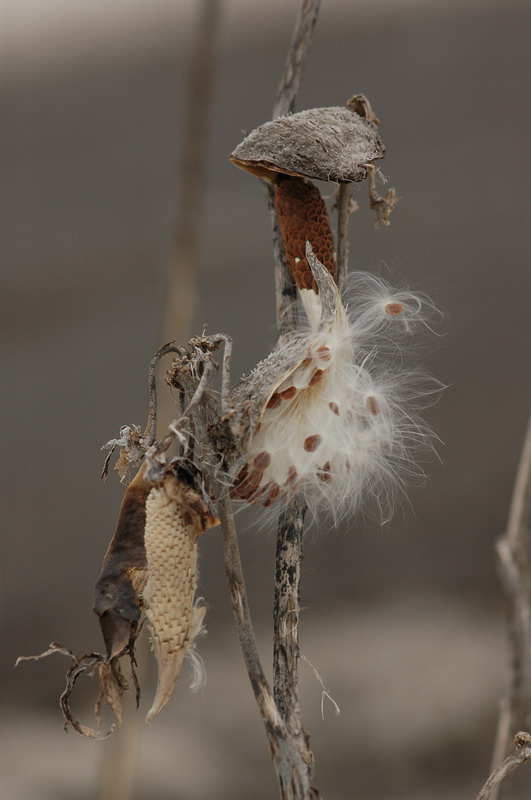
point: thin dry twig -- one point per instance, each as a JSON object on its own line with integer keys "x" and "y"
{"x": 300, "y": 42}
{"x": 522, "y": 755}
{"x": 290, "y": 760}
{"x": 513, "y": 558}
{"x": 344, "y": 193}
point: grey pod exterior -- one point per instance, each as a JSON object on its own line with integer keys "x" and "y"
{"x": 329, "y": 144}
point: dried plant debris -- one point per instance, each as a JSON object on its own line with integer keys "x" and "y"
{"x": 132, "y": 444}
{"x": 150, "y": 566}
{"x": 329, "y": 144}
{"x": 175, "y": 515}
{"x": 331, "y": 412}
{"x": 111, "y": 681}
{"x": 124, "y": 571}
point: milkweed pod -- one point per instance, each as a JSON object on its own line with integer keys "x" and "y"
{"x": 329, "y": 144}
{"x": 175, "y": 515}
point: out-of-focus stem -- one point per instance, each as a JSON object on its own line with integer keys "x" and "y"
{"x": 180, "y": 295}
{"x": 514, "y": 564}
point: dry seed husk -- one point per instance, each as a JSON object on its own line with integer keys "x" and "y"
{"x": 328, "y": 144}
{"x": 124, "y": 571}
{"x": 249, "y": 398}
{"x": 302, "y": 217}
{"x": 175, "y": 515}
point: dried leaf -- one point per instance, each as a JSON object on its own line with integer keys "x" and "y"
{"x": 124, "y": 571}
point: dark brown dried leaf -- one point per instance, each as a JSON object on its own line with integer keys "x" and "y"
{"x": 124, "y": 571}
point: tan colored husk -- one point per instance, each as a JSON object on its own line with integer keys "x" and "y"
{"x": 175, "y": 515}
{"x": 329, "y": 144}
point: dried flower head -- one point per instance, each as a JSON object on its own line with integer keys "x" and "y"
{"x": 329, "y": 413}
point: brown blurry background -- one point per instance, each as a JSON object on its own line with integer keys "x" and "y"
{"x": 404, "y": 622}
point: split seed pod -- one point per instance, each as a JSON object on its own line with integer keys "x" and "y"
{"x": 175, "y": 515}
{"x": 328, "y": 414}
{"x": 329, "y": 144}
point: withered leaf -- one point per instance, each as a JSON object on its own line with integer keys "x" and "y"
{"x": 112, "y": 686}
{"x": 124, "y": 571}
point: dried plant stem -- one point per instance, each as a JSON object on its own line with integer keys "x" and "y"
{"x": 343, "y": 216}
{"x": 180, "y": 294}
{"x": 514, "y": 564}
{"x": 523, "y": 753}
{"x": 291, "y": 79}
{"x": 292, "y": 761}
{"x": 289, "y": 553}
{"x": 286, "y": 614}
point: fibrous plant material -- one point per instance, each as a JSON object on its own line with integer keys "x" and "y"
{"x": 329, "y": 414}
{"x": 111, "y": 681}
{"x": 328, "y": 144}
{"x": 175, "y": 515}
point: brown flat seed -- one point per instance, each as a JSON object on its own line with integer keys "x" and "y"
{"x": 394, "y": 309}
{"x": 334, "y": 408}
{"x": 244, "y": 493}
{"x": 316, "y": 377}
{"x": 372, "y": 405}
{"x": 292, "y": 475}
{"x": 311, "y": 443}
{"x": 325, "y": 473}
{"x": 262, "y": 460}
{"x": 273, "y": 492}
{"x": 288, "y": 393}
{"x": 250, "y": 484}
{"x": 274, "y": 401}
{"x": 258, "y": 495}
{"x": 324, "y": 353}
{"x": 242, "y": 473}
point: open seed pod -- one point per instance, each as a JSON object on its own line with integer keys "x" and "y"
{"x": 329, "y": 144}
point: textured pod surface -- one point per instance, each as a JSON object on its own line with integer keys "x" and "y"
{"x": 329, "y": 144}
{"x": 175, "y": 515}
{"x": 302, "y": 217}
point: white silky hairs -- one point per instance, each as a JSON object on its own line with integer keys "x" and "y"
{"x": 332, "y": 413}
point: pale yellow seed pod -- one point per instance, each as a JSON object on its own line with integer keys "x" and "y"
{"x": 175, "y": 515}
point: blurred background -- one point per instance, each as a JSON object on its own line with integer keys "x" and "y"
{"x": 404, "y": 623}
